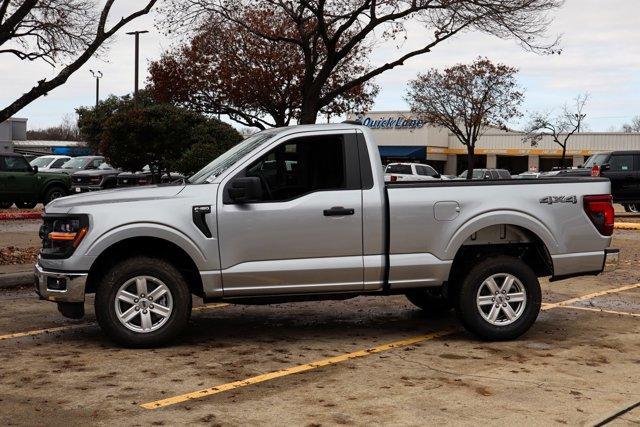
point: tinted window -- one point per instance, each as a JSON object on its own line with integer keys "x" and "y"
{"x": 621, "y": 162}
{"x": 426, "y": 170}
{"x": 58, "y": 163}
{"x": 399, "y": 169}
{"x": 41, "y": 161}
{"x": 301, "y": 166}
{"x": 504, "y": 174}
{"x": 15, "y": 164}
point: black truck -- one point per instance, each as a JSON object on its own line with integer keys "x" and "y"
{"x": 623, "y": 170}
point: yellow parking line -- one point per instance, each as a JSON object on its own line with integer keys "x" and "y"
{"x": 295, "y": 369}
{"x": 600, "y": 310}
{"x": 84, "y": 325}
{"x": 45, "y": 331}
{"x": 342, "y": 358}
{"x": 626, "y": 225}
{"x": 590, "y": 296}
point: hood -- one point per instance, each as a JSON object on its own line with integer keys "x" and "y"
{"x": 117, "y": 195}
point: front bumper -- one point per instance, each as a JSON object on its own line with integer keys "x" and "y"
{"x": 60, "y": 287}
{"x": 611, "y": 260}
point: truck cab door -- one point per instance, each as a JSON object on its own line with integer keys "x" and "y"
{"x": 623, "y": 176}
{"x": 305, "y": 234}
{"x": 19, "y": 182}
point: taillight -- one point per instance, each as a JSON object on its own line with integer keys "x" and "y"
{"x": 394, "y": 178}
{"x": 600, "y": 211}
{"x": 595, "y": 170}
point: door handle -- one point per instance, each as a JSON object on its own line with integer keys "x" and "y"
{"x": 338, "y": 211}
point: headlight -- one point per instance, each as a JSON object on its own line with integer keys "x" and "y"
{"x": 61, "y": 235}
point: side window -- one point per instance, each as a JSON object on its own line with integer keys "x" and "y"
{"x": 97, "y": 162}
{"x": 421, "y": 170}
{"x": 301, "y": 166}
{"x": 15, "y": 164}
{"x": 58, "y": 163}
{"x": 621, "y": 163}
{"x": 504, "y": 174}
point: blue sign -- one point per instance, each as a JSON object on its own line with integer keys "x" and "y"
{"x": 390, "y": 122}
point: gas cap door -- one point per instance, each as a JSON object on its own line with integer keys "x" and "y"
{"x": 446, "y": 210}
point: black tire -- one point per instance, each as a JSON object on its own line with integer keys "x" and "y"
{"x": 26, "y": 205}
{"x": 5, "y": 205}
{"x": 430, "y": 300}
{"x": 626, "y": 207}
{"x": 53, "y": 193}
{"x": 120, "y": 274}
{"x": 631, "y": 207}
{"x": 469, "y": 311}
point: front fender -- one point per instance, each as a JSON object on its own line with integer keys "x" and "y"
{"x": 160, "y": 231}
{"x": 508, "y": 217}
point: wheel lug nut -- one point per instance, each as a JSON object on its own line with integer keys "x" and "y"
{"x": 145, "y": 311}
{"x": 504, "y": 305}
{"x": 136, "y": 300}
{"x": 137, "y": 308}
{"x": 508, "y": 298}
{"x": 151, "y": 306}
{"x": 150, "y": 298}
{"x": 141, "y": 295}
{"x": 493, "y": 299}
{"x": 504, "y": 292}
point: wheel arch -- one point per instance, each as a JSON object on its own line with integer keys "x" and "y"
{"x": 114, "y": 250}
{"x": 53, "y": 183}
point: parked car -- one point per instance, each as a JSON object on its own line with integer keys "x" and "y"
{"x": 559, "y": 173}
{"x": 409, "y": 172}
{"x": 487, "y": 174}
{"x": 80, "y": 163}
{"x": 527, "y": 175}
{"x": 24, "y": 185}
{"x": 49, "y": 162}
{"x": 102, "y": 178}
{"x": 622, "y": 168}
{"x": 143, "y": 177}
{"x": 327, "y": 227}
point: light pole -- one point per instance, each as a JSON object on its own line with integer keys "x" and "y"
{"x": 137, "y": 36}
{"x": 98, "y": 76}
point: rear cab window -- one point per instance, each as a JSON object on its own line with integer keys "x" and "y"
{"x": 399, "y": 169}
{"x": 621, "y": 163}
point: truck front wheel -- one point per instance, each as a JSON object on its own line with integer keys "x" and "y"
{"x": 143, "y": 302}
{"x": 499, "y": 299}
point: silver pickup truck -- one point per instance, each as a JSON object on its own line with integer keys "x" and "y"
{"x": 303, "y": 213}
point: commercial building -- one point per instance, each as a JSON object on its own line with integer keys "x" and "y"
{"x": 13, "y": 138}
{"x": 401, "y": 136}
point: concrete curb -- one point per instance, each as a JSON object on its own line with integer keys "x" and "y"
{"x": 5, "y": 216}
{"x": 14, "y": 280}
{"x": 626, "y": 225}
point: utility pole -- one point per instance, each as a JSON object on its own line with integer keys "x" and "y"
{"x": 137, "y": 52}
{"x": 98, "y": 76}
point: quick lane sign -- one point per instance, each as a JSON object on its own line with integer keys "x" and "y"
{"x": 390, "y": 122}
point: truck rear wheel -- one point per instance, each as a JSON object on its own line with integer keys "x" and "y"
{"x": 143, "y": 302}
{"x": 430, "y": 300}
{"x": 499, "y": 299}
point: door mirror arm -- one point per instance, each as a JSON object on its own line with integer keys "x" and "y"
{"x": 34, "y": 170}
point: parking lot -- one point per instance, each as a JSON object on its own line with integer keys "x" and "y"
{"x": 360, "y": 361}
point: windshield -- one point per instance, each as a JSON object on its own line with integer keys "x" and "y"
{"x": 596, "y": 159}
{"x": 41, "y": 161}
{"x": 77, "y": 163}
{"x": 229, "y": 158}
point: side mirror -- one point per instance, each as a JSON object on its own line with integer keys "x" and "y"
{"x": 245, "y": 190}
{"x": 605, "y": 167}
{"x": 34, "y": 169}
{"x": 437, "y": 176}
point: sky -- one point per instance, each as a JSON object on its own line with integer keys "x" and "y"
{"x": 600, "y": 56}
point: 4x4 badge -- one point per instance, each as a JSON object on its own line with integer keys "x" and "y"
{"x": 559, "y": 199}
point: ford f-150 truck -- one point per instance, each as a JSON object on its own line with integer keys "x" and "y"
{"x": 303, "y": 213}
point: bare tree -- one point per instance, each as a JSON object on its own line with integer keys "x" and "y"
{"x": 634, "y": 126}
{"x": 329, "y": 31}
{"x": 560, "y": 128}
{"x": 65, "y": 131}
{"x": 467, "y": 100}
{"x": 70, "y": 31}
